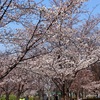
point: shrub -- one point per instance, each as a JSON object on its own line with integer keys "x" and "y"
{"x": 2, "y": 97}
{"x": 12, "y": 97}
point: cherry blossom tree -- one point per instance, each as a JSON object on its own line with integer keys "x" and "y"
{"x": 53, "y": 42}
{"x": 4, "y": 7}
{"x": 7, "y": 87}
{"x": 19, "y": 82}
{"x": 83, "y": 78}
{"x": 45, "y": 19}
{"x": 74, "y": 50}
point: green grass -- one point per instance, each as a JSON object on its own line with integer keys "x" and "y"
{"x": 13, "y": 97}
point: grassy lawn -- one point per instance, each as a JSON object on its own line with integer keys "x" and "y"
{"x": 13, "y": 97}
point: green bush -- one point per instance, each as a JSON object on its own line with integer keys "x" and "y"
{"x": 31, "y": 98}
{"x": 2, "y": 97}
{"x": 12, "y": 97}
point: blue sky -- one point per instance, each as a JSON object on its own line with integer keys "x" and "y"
{"x": 91, "y": 4}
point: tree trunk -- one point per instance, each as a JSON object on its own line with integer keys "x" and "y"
{"x": 18, "y": 96}
{"x": 41, "y": 94}
{"x": 48, "y": 95}
{"x": 64, "y": 96}
{"x": 65, "y": 92}
{"x": 77, "y": 95}
{"x": 7, "y": 96}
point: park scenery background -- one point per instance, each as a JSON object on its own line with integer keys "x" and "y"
{"x": 49, "y": 49}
